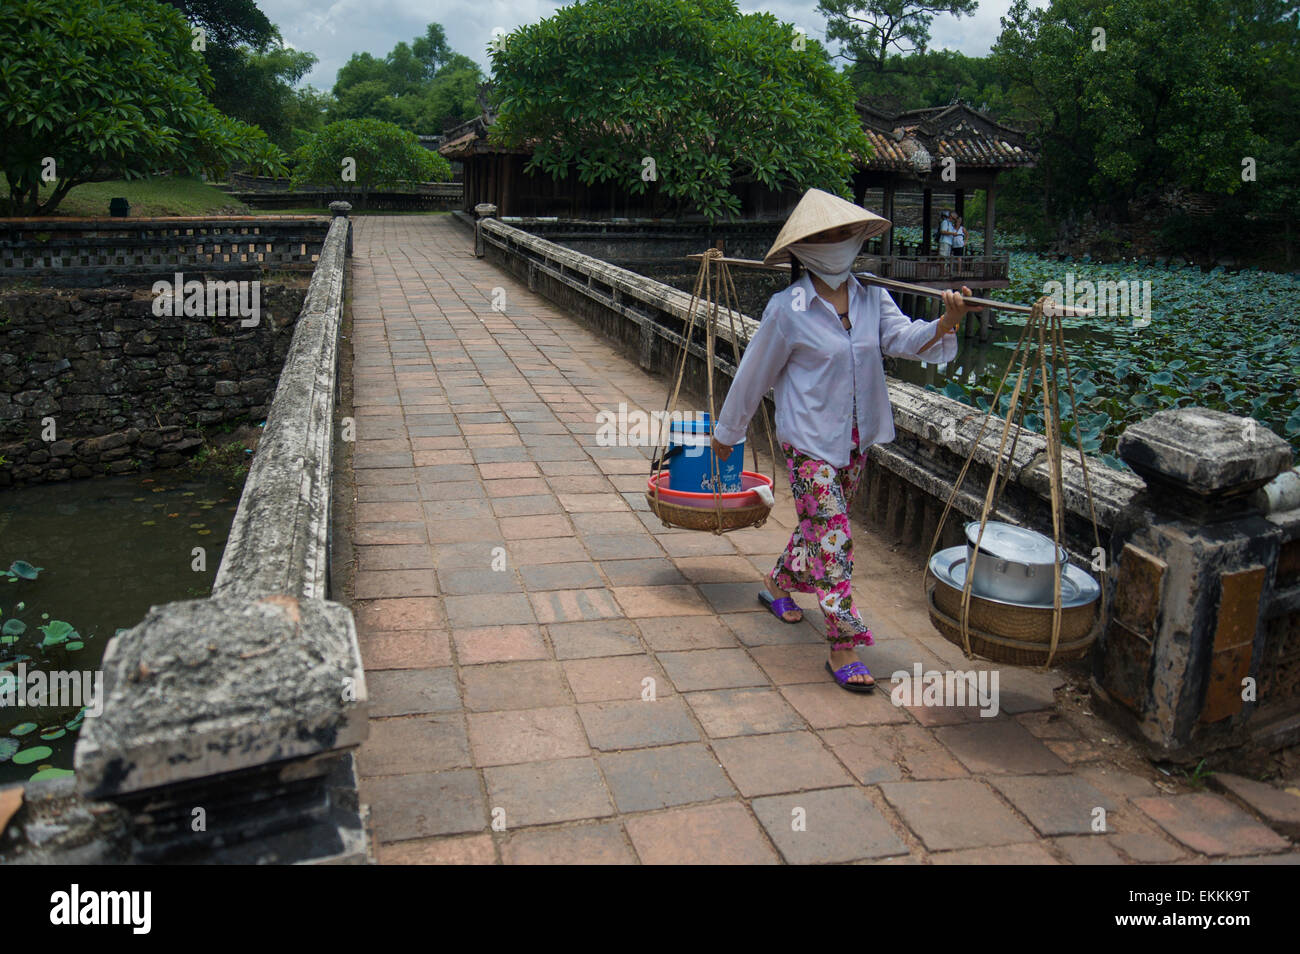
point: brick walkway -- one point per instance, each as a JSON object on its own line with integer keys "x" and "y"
{"x": 515, "y": 599}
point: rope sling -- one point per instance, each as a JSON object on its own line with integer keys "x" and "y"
{"x": 714, "y": 291}
{"x": 1039, "y": 353}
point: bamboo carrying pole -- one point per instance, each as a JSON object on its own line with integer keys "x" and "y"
{"x": 892, "y": 284}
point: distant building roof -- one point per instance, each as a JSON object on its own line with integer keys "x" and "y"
{"x": 965, "y": 134}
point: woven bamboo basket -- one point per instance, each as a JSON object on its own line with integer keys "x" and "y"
{"x": 1006, "y": 649}
{"x": 1030, "y": 624}
{"x": 707, "y": 518}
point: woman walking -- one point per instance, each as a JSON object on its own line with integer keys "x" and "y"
{"x": 819, "y": 345}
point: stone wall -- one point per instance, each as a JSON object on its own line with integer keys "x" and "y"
{"x": 126, "y": 389}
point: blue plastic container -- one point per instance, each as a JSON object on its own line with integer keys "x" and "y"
{"x": 690, "y": 459}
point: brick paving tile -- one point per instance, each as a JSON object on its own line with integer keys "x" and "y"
{"x": 622, "y": 546}
{"x": 1005, "y": 855}
{"x": 871, "y": 755}
{"x": 783, "y": 762}
{"x": 477, "y": 581}
{"x": 958, "y": 813}
{"x": 424, "y": 804}
{"x": 471, "y": 507}
{"x": 398, "y": 692}
{"x": 1210, "y": 824}
{"x": 463, "y": 850}
{"x": 385, "y": 534}
{"x": 656, "y": 601}
{"x": 572, "y": 606}
{"x": 486, "y": 644}
{"x": 405, "y": 649}
{"x": 465, "y": 612}
{"x": 526, "y": 735}
{"x": 645, "y": 572}
{"x": 788, "y": 665}
{"x": 561, "y": 576}
{"x": 827, "y": 827}
{"x": 577, "y": 502}
{"x": 706, "y": 835}
{"x": 514, "y": 685}
{"x": 998, "y": 747}
{"x": 613, "y": 637}
{"x": 730, "y": 712}
{"x": 546, "y": 550}
{"x": 580, "y": 845}
{"x": 1048, "y": 725}
{"x": 646, "y": 779}
{"x": 764, "y": 629}
{"x": 685, "y": 544}
{"x": 1116, "y": 781}
{"x": 711, "y": 669}
{"x": 417, "y": 744}
{"x": 540, "y": 793}
{"x": 609, "y": 678}
{"x": 528, "y": 505}
{"x": 1089, "y": 849}
{"x": 1055, "y": 805}
{"x": 680, "y": 633}
{"x": 1280, "y": 808}
{"x": 738, "y": 597}
{"x": 1146, "y": 848}
{"x": 418, "y": 612}
{"x": 1073, "y": 751}
{"x": 825, "y": 705}
{"x": 716, "y": 569}
{"x": 614, "y": 726}
{"x": 398, "y": 556}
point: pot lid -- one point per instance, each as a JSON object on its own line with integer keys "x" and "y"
{"x": 1006, "y": 541}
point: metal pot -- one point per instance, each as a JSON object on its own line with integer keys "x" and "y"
{"x": 1014, "y": 565}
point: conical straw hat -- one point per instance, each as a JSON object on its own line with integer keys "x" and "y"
{"x": 816, "y": 212}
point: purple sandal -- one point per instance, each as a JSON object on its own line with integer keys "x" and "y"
{"x": 844, "y": 673}
{"x": 780, "y": 607}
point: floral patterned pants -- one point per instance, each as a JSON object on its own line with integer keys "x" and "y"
{"x": 819, "y": 557}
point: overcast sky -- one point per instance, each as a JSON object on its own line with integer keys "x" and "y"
{"x": 335, "y": 30}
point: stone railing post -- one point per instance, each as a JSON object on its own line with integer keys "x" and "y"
{"x": 484, "y": 210}
{"x": 1194, "y": 563}
{"x": 343, "y": 208}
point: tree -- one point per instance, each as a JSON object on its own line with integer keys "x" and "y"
{"x": 420, "y": 86}
{"x": 267, "y": 79}
{"x": 701, "y": 95}
{"x": 108, "y": 89}
{"x": 874, "y": 30}
{"x": 1111, "y": 130}
{"x": 380, "y": 156}
{"x": 228, "y": 27}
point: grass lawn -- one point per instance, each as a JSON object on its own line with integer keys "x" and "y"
{"x": 165, "y": 195}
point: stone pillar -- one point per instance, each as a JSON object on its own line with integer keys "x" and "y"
{"x": 1193, "y": 564}
{"x": 227, "y": 730}
{"x": 484, "y": 210}
{"x": 343, "y": 208}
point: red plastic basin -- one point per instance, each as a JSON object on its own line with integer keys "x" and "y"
{"x": 743, "y": 498}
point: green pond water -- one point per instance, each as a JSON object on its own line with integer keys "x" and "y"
{"x": 107, "y": 550}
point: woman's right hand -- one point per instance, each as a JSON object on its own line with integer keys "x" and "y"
{"x": 720, "y": 450}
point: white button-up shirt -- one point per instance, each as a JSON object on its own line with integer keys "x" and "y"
{"x": 802, "y": 351}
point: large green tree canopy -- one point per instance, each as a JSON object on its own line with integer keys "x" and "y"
{"x": 108, "y": 89}
{"x": 1178, "y": 96}
{"x": 376, "y": 154}
{"x": 713, "y": 96}
{"x": 422, "y": 86}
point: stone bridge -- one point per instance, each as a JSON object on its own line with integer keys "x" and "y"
{"x": 450, "y": 630}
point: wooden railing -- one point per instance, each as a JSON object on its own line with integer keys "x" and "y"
{"x": 937, "y": 268}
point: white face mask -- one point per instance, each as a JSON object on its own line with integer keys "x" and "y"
{"x": 830, "y": 261}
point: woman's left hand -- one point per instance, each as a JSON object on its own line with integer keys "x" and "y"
{"x": 954, "y": 309}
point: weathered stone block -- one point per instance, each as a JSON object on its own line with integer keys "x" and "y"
{"x": 206, "y": 687}
{"x": 1204, "y": 452}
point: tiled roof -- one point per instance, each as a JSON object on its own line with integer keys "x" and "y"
{"x": 968, "y": 136}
